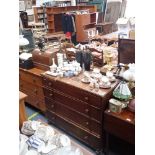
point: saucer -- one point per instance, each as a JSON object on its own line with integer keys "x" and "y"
{"x": 51, "y": 73}
{"x": 105, "y": 86}
{"x": 113, "y": 79}
{"x": 84, "y": 81}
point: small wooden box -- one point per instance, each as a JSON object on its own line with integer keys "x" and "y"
{"x": 43, "y": 60}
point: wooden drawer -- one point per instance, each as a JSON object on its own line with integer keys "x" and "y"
{"x": 67, "y": 101}
{"x": 73, "y": 116}
{"x": 48, "y": 83}
{"x": 79, "y": 94}
{"x": 96, "y": 114}
{"x": 31, "y": 78}
{"x": 31, "y": 89}
{"x": 50, "y": 104}
{"x": 93, "y": 141}
{"x": 64, "y": 108}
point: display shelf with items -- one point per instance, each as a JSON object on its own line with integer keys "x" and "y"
{"x": 54, "y": 15}
{"x": 39, "y": 14}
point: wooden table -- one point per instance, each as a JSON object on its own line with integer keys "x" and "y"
{"x": 22, "y": 112}
{"x": 120, "y": 125}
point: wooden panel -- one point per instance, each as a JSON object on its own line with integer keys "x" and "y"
{"x": 31, "y": 78}
{"x": 79, "y": 94}
{"x": 80, "y": 21}
{"x": 31, "y": 89}
{"x": 126, "y": 51}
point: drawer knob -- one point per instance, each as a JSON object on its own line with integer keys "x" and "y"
{"x": 37, "y": 103}
{"x": 86, "y": 98}
{"x": 51, "y": 94}
{"x": 35, "y": 91}
{"x": 50, "y": 84}
{"x": 34, "y": 80}
{"x": 85, "y": 137}
{"x": 52, "y": 106}
{"x": 53, "y": 118}
{"x": 87, "y": 123}
{"x": 86, "y": 110}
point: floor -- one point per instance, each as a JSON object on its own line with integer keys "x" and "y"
{"x": 117, "y": 147}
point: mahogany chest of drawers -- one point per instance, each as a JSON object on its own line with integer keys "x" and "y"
{"x": 30, "y": 83}
{"x": 72, "y": 107}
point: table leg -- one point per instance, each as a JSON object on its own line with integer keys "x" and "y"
{"x": 107, "y": 144}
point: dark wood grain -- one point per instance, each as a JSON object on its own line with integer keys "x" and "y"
{"x": 73, "y": 107}
{"x": 121, "y": 125}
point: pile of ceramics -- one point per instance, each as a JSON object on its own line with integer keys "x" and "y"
{"x": 96, "y": 80}
{"x": 68, "y": 69}
{"x": 37, "y": 138}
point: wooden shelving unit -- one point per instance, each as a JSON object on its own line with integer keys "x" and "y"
{"x": 54, "y": 15}
{"x": 39, "y": 15}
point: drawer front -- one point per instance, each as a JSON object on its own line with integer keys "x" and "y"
{"x": 74, "y": 92}
{"x": 38, "y": 103}
{"x": 48, "y": 83}
{"x": 31, "y": 89}
{"x": 77, "y": 132}
{"x": 96, "y": 114}
{"x": 50, "y": 104}
{"x": 79, "y": 94}
{"x": 72, "y": 116}
{"x": 67, "y": 101}
{"x": 31, "y": 78}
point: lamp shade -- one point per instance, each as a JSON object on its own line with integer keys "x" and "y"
{"x": 23, "y": 41}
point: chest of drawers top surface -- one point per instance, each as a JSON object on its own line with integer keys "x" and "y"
{"x": 73, "y": 83}
{"x": 34, "y": 71}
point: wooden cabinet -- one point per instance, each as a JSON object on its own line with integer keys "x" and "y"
{"x": 72, "y": 107}
{"x": 22, "y": 111}
{"x": 121, "y": 125}
{"x": 30, "y": 83}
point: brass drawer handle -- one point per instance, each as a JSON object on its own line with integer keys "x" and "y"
{"x": 86, "y": 110}
{"x": 37, "y": 103}
{"x": 85, "y": 137}
{"x": 52, "y": 106}
{"x": 34, "y": 80}
{"x": 51, "y": 94}
{"x": 87, "y": 123}
{"x": 86, "y": 98}
{"x": 53, "y": 118}
{"x": 35, "y": 91}
{"x": 50, "y": 84}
